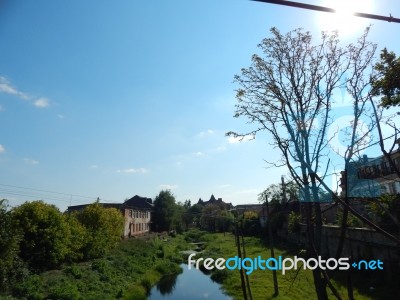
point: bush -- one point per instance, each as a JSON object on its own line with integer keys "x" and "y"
{"x": 219, "y": 275}
{"x": 136, "y": 292}
{"x": 29, "y": 288}
{"x": 194, "y": 235}
{"x": 168, "y": 267}
{"x": 75, "y": 271}
{"x": 66, "y": 291}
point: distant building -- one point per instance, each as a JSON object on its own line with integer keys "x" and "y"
{"x": 136, "y": 211}
{"x": 215, "y": 201}
{"x": 371, "y": 177}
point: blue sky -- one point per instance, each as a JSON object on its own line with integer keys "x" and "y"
{"x": 115, "y": 98}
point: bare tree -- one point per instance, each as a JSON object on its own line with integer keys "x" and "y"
{"x": 288, "y": 92}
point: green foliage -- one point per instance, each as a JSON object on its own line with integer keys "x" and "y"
{"x": 29, "y": 288}
{"x": 136, "y": 292}
{"x": 164, "y": 211}
{"x": 387, "y": 84}
{"x": 65, "y": 291}
{"x": 11, "y": 267}
{"x": 352, "y": 221}
{"x": 219, "y": 275}
{"x": 386, "y": 209}
{"x": 74, "y": 271}
{"x": 104, "y": 227}
{"x": 294, "y": 222}
{"x": 215, "y": 218}
{"x": 45, "y": 234}
{"x": 78, "y": 238}
{"x": 194, "y": 235}
{"x": 146, "y": 283}
{"x": 128, "y": 271}
{"x": 167, "y": 267}
{"x": 251, "y": 223}
{"x": 194, "y": 214}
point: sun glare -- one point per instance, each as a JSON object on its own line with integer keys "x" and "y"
{"x": 343, "y": 20}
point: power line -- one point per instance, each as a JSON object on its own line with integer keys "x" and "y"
{"x": 329, "y": 10}
{"x": 49, "y": 195}
{"x": 46, "y": 191}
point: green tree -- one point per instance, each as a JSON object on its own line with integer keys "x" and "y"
{"x": 104, "y": 228}
{"x": 164, "y": 211}
{"x": 194, "y": 214}
{"x": 387, "y": 82}
{"x": 209, "y": 216}
{"x": 78, "y": 238}
{"x": 9, "y": 248}
{"x": 251, "y": 223}
{"x": 224, "y": 221}
{"x": 44, "y": 234}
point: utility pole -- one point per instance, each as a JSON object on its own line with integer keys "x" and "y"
{"x": 244, "y": 255}
{"x": 284, "y": 200}
{"x": 271, "y": 241}
{"x": 240, "y": 257}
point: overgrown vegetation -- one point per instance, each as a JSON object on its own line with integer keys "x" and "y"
{"x": 127, "y": 272}
{"x": 36, "y": 237}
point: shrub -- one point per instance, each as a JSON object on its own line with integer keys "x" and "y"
{"x": 219, "y": 275}
{"x": 66, "y": 291}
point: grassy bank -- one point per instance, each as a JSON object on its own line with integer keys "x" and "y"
{"x": 293, "y": 285}
{"x": 128, "y": 272}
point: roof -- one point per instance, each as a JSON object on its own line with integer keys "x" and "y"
{"x": 136, "y": 202}
{"x": 139, "y": 202}
{"x": 83, "y": 206}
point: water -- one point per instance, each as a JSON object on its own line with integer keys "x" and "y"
{"x": 190, "y": 284}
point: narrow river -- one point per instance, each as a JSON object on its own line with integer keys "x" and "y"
{"x": 190, "y": 284}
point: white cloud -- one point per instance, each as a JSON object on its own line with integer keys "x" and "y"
{"x": 199, "y": 153}
{"x": 2, "y": 149}
{"x": 1, "y": 108}
{"x": 205, "y": 133}
{"x": 168, "y": 186}
{"x": 7, "y": 88}
{"x": 60, "y": 116}
{"x": 31, "y": 161}
{"x": 234, "y": 140}
{"x": 132, "y": 170}
{"x": 93, "y": 166}
{"x": 42, "y": 102}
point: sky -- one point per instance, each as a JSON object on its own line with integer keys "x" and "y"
{"x": 111, "y": 99}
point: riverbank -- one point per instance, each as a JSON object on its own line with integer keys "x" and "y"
{"x": 138, "y": 264}
{"x": 128, "y": 272}
{"x": 295, "y": 284}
